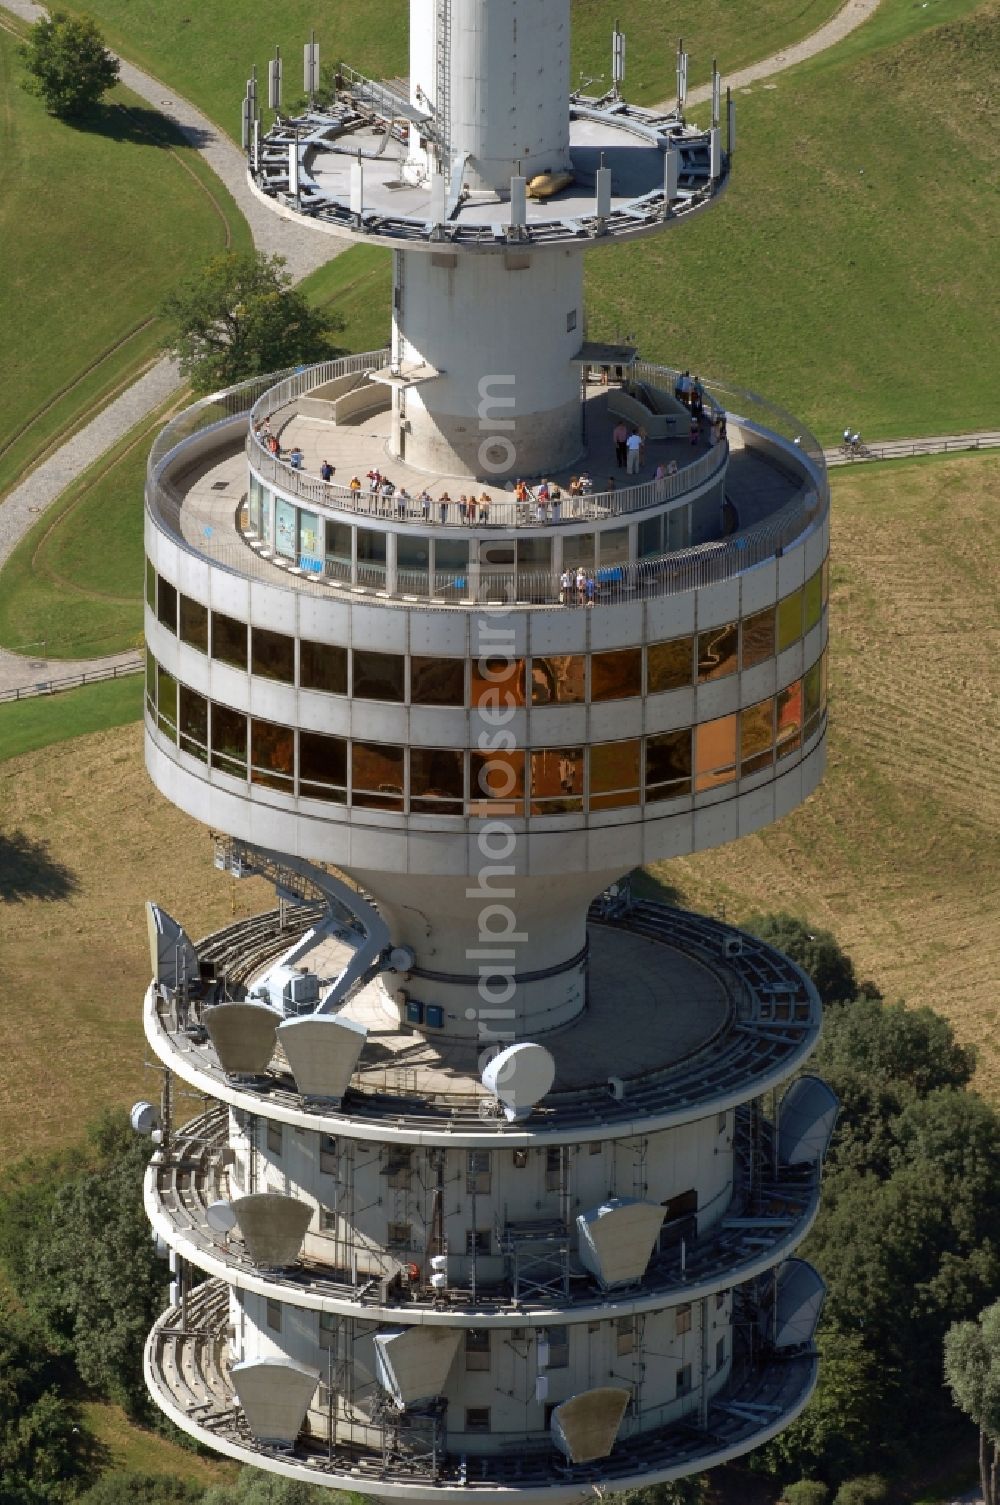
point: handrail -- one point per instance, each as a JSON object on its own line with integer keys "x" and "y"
{"x": 671, "y": 573}
{"x": 593, "y": 506}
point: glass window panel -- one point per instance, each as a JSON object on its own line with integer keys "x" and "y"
{"x": 497, "y": 683}
{"x": 151, "y": 684}
{"x": 150, "y": 585}
{"x": 669, "y": 666}
{"x": 757, "y": 736}
{"x": 166, "y": 702}
{"x": 272, "y": 655}
{"x": 451, "y": 553}
{"x": 437, "y": 681}
{"x": 229, "y": 640}
{"x": 377, "y": 775}
{"x": 371, "y": 546}
{"x": 267, "y": 517}
{"x": 578, "y": 548}
{"x": 559, "y": 679}
{"x": 789, "y": 719}
{"x": 437, "y": 780}
{"x": 651, "y": 537}
{"x": 825, "y": 578}
{"x": 284, "y": 528}
{"x": 668, "y": 765}
{"x": 272, "y": 755}
{"x": 193, "y": 712}
{"x": 194, "y": 624}
{"x": 378, "y": 676}
{"x": 557, "y": 780}
{"x": 789, "y": 620}
{"x": 715, "y": 753}
{"x": 166, "y": 604}
{"x": 718, "y": 652}
{"x": 322, "y": 767}
{"x": 613, "y": 546}
{"x": 614, "y": 774}
{"x": 496, "y": 783}
{"x": 309, "y": 537}
{"x": 534, "y": 553}
{"x": 229, "y": 740}
{"x": 412, "y": 551}
{"x": 256, "y": 497}
{"x": 323, "y": 666}
{"x": 616, "y": 676}
{"x": 758, "y": 638}
{"x": 339, "y": 543}
{"x": 812, "y": 602}
{"x": 810, "y": 698}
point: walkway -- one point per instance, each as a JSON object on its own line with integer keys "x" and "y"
{"x": 851, "y": 16}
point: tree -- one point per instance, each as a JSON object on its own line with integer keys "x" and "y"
{"x": 240, "y": 317}
{"x": 690, "y": 1491}
{"x": 85, "y": 1261}
{"x": 869, "y": 1489}
{"x": 805, "y": 1492}
{"x": 68, "y": 64}
{"x": 839, "y": 1431}
{"x": 142, "y": 1489}
{"x": 972, "y": 1371}
{"x": 253, "y": 1487}
{"x": 815, "y": 951}
{"x": 44, "y": 1450}
{"x": 878, "y": 1058}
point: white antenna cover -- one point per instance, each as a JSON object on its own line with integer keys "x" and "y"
{"x": 220, "y": 1216}
{"x": 144, "y": 1117}
{"x": 520, "y": 1077}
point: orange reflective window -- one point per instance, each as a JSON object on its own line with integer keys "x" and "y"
{"x": 558, "y": 680}
{"x": 715, "y": 753}
{"x": 669, "y": 666}
{"x": 789, "y": 719}
{"x": 496, "y": 783}
{"x": 757, "y": 736}
{"x": 616, "y": 676}
{"x": 718, "y": 650}
{"x": 758, "y": 638}
{"x": 614, "y": 774}
{"x": 497, "y": 684}
{"x": 556, "y": 780}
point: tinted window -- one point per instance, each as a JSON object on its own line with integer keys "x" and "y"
{"x": 229, "y": 640}
{"x": 323, "y": 666}
{"x": 322, "y": 767}
{"x": 668, "y": 765}
{"x": 717, "y": 652}
{"x": 377, "y": 775}
{"x": 378, "y": 676}
{"x": 229, "y": 740}
{"x": 715, "y": 752}
{"x": 558, "y": 680}
{"x": 614, "y": 774}
{"x": 616, "y": 676}
{"x": 194, "y": 624}
{"x": 193, "y": 713}
{"x": 272, "y": 655}
{"x": 437, "y": 780}
{"x": 437, "y": 681}
{"x": 669, "y": 666}
{"x": 166, "y": 605}
{"x": 557, "y": 780}
{"x": 758, "y": 638}
{"x": 272, "y": 754}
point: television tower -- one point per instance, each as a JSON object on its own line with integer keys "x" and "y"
{"x": 497, "y": 1180}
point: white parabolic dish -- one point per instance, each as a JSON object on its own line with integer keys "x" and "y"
{"x": 520, "y": 1077}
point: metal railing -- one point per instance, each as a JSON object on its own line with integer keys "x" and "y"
{"x": 502, "y": 512}
{"x": 670, "y": 573}
{"x": 57, "y": 682}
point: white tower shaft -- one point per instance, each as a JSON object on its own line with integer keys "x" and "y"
{"x": 496, "y": 73}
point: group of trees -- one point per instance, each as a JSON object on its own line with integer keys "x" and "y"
{"x": 907, "y": 1239}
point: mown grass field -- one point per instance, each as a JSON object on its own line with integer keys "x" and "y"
{"x": 896, "y": 853}
{"x": 97, "y": 222}
{"x": 850, "y": 269}
{"x": 29, "y": 725}
{"x": 206, "y": 51}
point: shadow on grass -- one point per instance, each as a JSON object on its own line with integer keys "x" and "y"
{"x": 28, "y": 872}
{"x": 138, "y": 125}
{"x": 649, "y": 885}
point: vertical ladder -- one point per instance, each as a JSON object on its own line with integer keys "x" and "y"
{"x": 442, "y": 96}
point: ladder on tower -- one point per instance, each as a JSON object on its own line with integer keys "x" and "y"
{"x": 442, "y": 99}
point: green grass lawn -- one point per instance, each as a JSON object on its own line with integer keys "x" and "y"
{"x": 97, "y": 223}
{"x": 27, "y": 725}
{"x": 206, "y": 51}
{"x": 850, "y": 268}
{"x": 73, "y": 586}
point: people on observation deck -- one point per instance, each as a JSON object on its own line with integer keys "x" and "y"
{"x": 327, "y": 471}
{"x": 634, "y": 447}
{"x": 620, "y": 437}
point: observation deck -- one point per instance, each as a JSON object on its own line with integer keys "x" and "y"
{"x": 719, "y": 1030}
{"x": 186, "y": 1366}
{"x": 348, "y": 170}
{"x": 651, "y": 535}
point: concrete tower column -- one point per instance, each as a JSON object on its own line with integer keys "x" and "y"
{"x": 503, "y": 99}
{"x": 502, "y": 332}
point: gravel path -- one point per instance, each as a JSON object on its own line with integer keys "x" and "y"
{"x": 852, "y": 15}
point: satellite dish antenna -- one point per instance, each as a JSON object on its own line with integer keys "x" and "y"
{"x": 220, "y": 1216}
{"x": 144, "y": 1117}
{"x": 520, "y": 1076}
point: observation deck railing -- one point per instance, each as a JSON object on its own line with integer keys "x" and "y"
{"x": 674, "y": 572}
